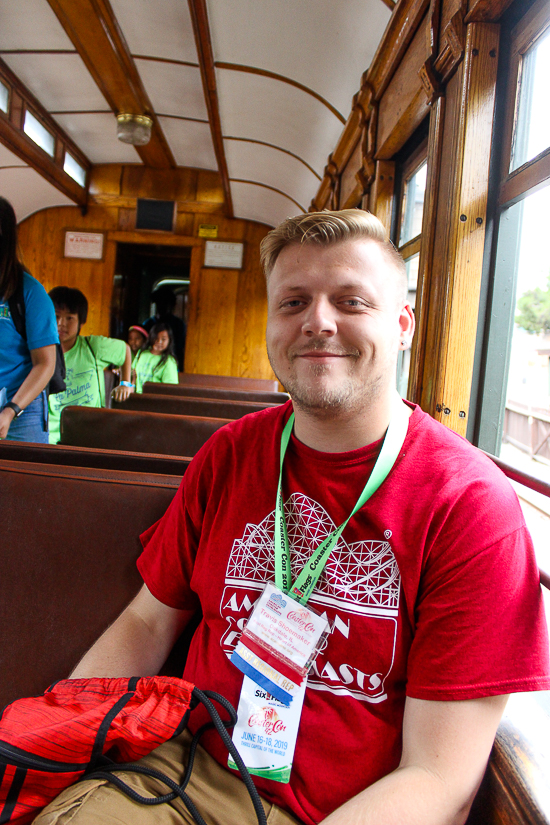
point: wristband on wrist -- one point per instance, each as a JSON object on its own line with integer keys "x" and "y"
{"x": 15, "y": 407}
{"x": 126, "y": 384}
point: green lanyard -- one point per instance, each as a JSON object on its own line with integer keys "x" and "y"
{"x": 308, "y": 578}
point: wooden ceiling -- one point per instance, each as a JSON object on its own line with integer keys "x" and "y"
{"x": 258, "y": 91}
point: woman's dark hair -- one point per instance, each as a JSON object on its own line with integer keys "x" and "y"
{"x": 73, "y": 300}
{"x": 11, "y": 270}
{"x": 153, "y": 335}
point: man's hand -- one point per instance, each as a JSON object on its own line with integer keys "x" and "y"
{"x": 446, "y": 746}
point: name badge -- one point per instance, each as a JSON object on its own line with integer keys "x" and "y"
{"x": 279, "y": 644}
{"x": 266, "y": 731}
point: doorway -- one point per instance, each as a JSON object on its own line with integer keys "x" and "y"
{"x": 139, "y": 269}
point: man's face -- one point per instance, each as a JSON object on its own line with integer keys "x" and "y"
{"x": 68, "y": 327}
{"x": 335, "y": 323}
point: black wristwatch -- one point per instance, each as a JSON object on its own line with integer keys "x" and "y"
{"x": 15, "y": 407}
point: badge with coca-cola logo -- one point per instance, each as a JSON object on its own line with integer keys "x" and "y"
{"x": 279, "y": 643}
{"x": 266, "y": 731}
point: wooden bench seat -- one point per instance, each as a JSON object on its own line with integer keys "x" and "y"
{"x": 141, "y": 432}
{"x": 70, "y": 540}
{"x": 150, "y": 387}
{"x": 181, "y": 405}
{"x": 90, "y": 457}
{"x": 203, "y": 380}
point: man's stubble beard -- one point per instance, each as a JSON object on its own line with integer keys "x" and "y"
{"x": 350, "y": 396}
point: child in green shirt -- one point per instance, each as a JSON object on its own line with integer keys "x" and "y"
{"x": 85, "y": 359}
{"x": 157, "y": 362}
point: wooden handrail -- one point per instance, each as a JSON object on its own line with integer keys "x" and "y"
{"x": 533, "y": 483}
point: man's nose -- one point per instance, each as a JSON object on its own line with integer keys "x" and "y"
{"x": 319, "y": 319}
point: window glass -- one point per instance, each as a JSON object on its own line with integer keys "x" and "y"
{"x": 413, "y": 205}
{"x": 532, "y": 130}
{"x": 34, "y": 129}
{"x": 4, "y": 97}
{"x": 73, "y": 168}
{"x": 526, "y": 431}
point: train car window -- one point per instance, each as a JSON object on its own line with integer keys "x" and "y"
{"x": 38, "y": 133}
{"x": 411, "y": 173}
{"x": 4, "y": 97}
{"x": 532, "y": 121}
{"x": 73, "y": 168}
{"x": 514, "y": 408}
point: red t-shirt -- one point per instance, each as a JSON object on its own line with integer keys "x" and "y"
{"x": 432, "y": 592}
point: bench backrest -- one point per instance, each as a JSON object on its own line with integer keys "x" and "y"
{"x": 203, "y": 380}
{"x": 70, "y": 540}
{"x": 181, "y": 405}
{"x": 142, "y": 432}
{"x": 153, "y": 388}
{"x": 89, "y": 457}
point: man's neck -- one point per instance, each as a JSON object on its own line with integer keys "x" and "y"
{"x": 340, "y": 432}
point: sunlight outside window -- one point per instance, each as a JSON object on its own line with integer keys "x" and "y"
{"x": 4, "y": 97}
{"x": 413, "y": 205}
{"x": 73, "y": 168}
{"x": 532, "y": 131}
{"x": 34, "y": 129}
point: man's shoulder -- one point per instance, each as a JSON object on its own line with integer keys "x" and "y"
{"x": 445, "y": 456}
{"x": 247, "y": 438}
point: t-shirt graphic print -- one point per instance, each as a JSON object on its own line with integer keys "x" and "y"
{"x": 360, "y": 584}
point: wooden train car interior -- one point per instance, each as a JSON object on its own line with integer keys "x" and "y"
{"x": 146, "y": 144}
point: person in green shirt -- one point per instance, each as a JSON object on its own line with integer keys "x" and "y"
{"x": 85, "y": 359}
{"x": 157, "y": 362}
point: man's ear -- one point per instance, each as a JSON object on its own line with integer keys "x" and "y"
{"x": 407, "y": 323}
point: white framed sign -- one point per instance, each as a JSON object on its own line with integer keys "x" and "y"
{"x": 84, "y": 245}
{"x": 222, "y": 255}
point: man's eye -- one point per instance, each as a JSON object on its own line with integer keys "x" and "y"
{"x": 354, "y": 303}
{"x": 294, "y": 302}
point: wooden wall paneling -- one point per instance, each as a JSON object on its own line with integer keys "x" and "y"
{"x": 41, "y": 237}
{"x": 404, "y": 105}
{"x": 382, "y": 192}
{"x": 249, "y": 350}
{"x": 215, "y": 297}
{"x": 425, "y": 266}
{"x": 487, "y": 11}
{"x": 447, "y": 383}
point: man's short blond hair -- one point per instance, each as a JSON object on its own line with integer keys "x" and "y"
{"x": 327, "y": 228}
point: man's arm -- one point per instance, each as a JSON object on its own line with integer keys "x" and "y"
{"x": 138, "y": 642}
{"x": 446, "y": 746}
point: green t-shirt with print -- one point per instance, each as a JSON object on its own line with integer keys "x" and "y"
{"x": 147, "y": 368}
{"x": 85, "y": 382}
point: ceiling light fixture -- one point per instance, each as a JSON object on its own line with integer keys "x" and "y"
{"x": 134, "y": 129}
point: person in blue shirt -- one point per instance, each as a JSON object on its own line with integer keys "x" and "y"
{"x": 25, "y": 366}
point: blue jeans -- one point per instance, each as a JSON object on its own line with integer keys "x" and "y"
{"x": 32, "y": 425}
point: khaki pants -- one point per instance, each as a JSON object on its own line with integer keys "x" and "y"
{"x": 220, "y": 797}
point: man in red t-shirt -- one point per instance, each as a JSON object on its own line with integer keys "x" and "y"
{"x": 431, "y": 593}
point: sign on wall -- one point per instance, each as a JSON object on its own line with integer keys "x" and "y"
{"x": 87, "y": 245}
{"x": 223, "y": 255}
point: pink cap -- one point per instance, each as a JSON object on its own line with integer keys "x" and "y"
{"x": 139, "y": 329}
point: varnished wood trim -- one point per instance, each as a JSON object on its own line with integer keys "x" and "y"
{"x": 126, "y": 202}
{"x": 272, "y": 188}
{"x": 411, "y": 248}
{"x": 526, "y": 180}
{"x": 391, "y": 4}
{"x": 93, "y": 29}
{"x": 182, "y": 117}
{"x": 165, "y": 60}
{"x": 487, "y": 11}
{"x": 279, "y": 149}
{"x": 148, "y": 237}
{"x": 399, "y": 33}
{"x": 201, "y": 29}
{"x": 237, "y": 67}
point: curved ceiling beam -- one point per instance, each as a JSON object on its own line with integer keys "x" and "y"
{"x": 95, "y": 33}
{"x": 279, "y": 149}
{"x": 203, "y": 42}
{"x": 266, "y": 186}
{"x": 237, "y": 67}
